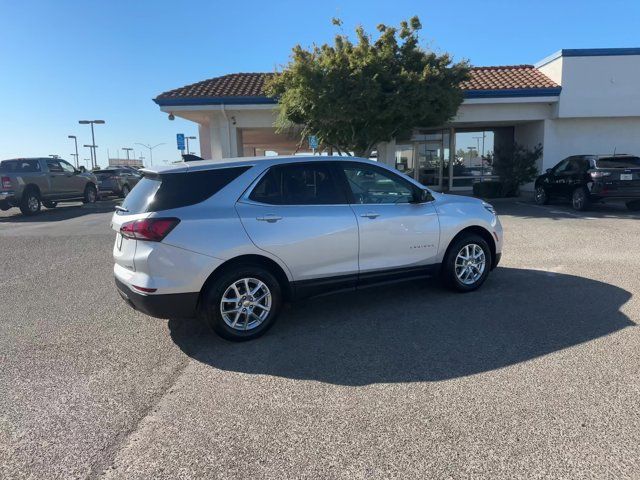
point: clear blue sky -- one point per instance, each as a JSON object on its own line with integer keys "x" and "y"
{"x": 61, "y": 61}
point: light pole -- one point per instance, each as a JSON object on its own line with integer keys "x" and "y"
{"x": 189, "y": 138}
{"x": 94, "y": 157}
{"x": 150, "y": 150}
{"x": 91, "y": 150}
{"x": 75, "y": 140}
{"x": 127, "y": 149}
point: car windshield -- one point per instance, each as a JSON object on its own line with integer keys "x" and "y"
{"x": 618, "y": 162}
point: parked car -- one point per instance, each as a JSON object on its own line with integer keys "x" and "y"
{"x": 229, "y": 241}
{"x": 29, "y": 183}
{"x": 117, "y": 180}
{"x": 585, "y": 179}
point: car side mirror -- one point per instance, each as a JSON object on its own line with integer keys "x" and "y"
{"x": 421, "y": 196}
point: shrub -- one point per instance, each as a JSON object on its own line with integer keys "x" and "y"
{"x": 516, "y": 166}
{"x": 490, "y": 189}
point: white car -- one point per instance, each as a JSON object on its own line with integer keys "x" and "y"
{"x": 231, "y": 240}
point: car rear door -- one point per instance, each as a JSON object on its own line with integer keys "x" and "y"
{"x": 396, "y": 232}
{"x": 299, "y": 213}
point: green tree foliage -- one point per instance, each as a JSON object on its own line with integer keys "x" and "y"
{"x": 355, "y": 95}
{"x": 516, "y": 166}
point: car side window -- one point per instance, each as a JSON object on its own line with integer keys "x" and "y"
{"x": 54, "y": 166}
{"x": 67, "y": 167}
{"x": 563, "y": 166}
{"x": 371, "y": 185}
{"x": 299, "y": 184}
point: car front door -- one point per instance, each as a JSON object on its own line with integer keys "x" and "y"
{"x": 398, "y": 230}
{"x": 561, "y": 178}
{"x": 299, "y": 213}
{"x": 74, "y": 183}
{"x": 59, "y": 187}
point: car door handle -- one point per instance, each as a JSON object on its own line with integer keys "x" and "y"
{"x": 269, "y": 218}
{"x": 371, "y": 215}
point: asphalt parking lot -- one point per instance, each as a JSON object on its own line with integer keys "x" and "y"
{"x": 537, "y": 375}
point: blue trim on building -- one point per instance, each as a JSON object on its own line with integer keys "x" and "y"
{"x": 180, "y": 101}
{"x": 588, "y": 52}
{"x": 514, "y": 92}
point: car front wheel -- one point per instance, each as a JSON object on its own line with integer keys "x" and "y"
{"x": 242, "y": 304}
{"x": 90, "y": 194}
{"x": 467, "y": 263}
{"x": 541, "y": 197}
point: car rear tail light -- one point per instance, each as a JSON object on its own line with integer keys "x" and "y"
{"x": 599, "y": 174}
{"x": 150, "y": 229}
{"x": 6, "y": 182}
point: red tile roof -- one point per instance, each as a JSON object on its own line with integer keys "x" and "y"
{"x": 243, "y": 85}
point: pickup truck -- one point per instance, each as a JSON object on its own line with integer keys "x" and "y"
{"x": 29, "y": 183}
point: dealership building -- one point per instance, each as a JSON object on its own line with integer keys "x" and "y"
{"x": 584, "y": 101}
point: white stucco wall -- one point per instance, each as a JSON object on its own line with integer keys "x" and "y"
{"x": 600, "y": 86}
{"x": 575, "y": 136}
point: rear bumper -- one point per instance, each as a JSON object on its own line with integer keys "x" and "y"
{"x": 605, "y": 192}
{"x": 171, "y": 305}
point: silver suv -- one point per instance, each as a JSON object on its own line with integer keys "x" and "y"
{"x": 230, "y": 241}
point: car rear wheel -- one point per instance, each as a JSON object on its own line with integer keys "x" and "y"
{"x": 50, "y": 204}
{"x": 30, "y": 204}
{"x": 633, "y": 205}
{"x": 541, "y": 197}
{"x": 580, "y": 199}
{"x": 242, "y": 304}
{"x": 467, "y": 263}
{"x": 90, "y": 194}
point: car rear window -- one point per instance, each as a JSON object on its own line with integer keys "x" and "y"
{"x": 174, "y": 190}
{"x": 9, "y": 166}
{"x": 618, "y": 162}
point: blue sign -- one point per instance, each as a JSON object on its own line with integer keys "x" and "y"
{"x": 180, "y": 140}
{"x": 313, "y": 142}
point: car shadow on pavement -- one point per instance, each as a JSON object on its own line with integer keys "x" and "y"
{"x": 416, "y": 332}
{"x": 564, "y": 211}
{"x": 64, "y": 211}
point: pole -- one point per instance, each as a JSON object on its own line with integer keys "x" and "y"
{"x": 187, "y": 138}
{"x": 75, "y": 140}
{"x": 93, "y": 142}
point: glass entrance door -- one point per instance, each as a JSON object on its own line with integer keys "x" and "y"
{"x": 432, "y": 156}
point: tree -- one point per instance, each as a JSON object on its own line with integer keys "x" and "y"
{"x": 516, "y": 166}
{"x": 353, "y": 96}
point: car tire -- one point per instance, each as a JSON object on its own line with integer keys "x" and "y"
{"x": 541, "y": 196}
{"x": 633, "y": 205}
{"x": 580, "y": 199}
{"x": 30, "y": 203}
{"x": 462, "y": 277}
{"x": 49, "y": 204}
{"x": 125, "y": 191}
{"x": 215, "y": 298}
{"x": 90, "y": 194}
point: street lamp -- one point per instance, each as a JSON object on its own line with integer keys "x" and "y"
{"x": 94, "y": 157}
{"x": 75, "y": 139}
{"x": 150, "y": 150}
{"x": 189, "y": 138}
{"x": 92, "y": 149}
{"x": 127, "y": 149}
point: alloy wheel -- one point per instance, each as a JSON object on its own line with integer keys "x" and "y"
{"x": 32, "y": 203}
{"x": 245, "y": 304}
{"x": 470, "y": 264}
